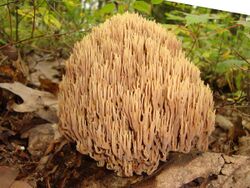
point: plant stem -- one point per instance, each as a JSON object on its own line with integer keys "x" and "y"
{"x": 34, "y": 19}
{"x": 10, "y": 22}
{"x": 17, "y": 20}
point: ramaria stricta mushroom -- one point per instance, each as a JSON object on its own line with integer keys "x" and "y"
{"x": 129, "y": 97}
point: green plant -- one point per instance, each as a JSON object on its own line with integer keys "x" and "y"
{"x": 218, "y": 42}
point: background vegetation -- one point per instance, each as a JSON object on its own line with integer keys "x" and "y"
{"x": 218, "y": 42}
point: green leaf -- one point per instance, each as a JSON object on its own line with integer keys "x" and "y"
{"x": 247, "y": 35}
{"x": 238, "y": 94}
{"x": 2, "y": 41}
{"x": 228, "y": 65}
{"x": 174, "y": 17}
{"x": 49, "y": 20}
{"x": 142, "y": 6}
{"x": 195, "y": 19}
{"x": 108, "y": 8}
{"x": 71, "y": 4}
{"x": 121, "y": 8}
{"x": 42, "y": 10}
{"x": 28, "y": 13}
{"x": 239, "y": 80}
{"x": 155, "y": 2}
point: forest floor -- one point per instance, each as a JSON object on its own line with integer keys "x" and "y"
{"x": 33, "y": 154}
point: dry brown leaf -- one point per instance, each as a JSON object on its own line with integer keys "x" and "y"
{"x": 103, "y": 179}
{"x": 244, "y": 145}
{"x": 45, "y": 69}
{"x": 10, "y": 51}
{"x": 20, "y": 184}
{"x": 21, "y": 66}
{"x": 7, "y": 176}
{"x": 44, "y": 104}
{"x": 8, "y": 73}
{"x": 49, "y": 86}
{"x": 246, "y": 123}
{"x": 40, "y": 137}
{"x": 223, "y": 122}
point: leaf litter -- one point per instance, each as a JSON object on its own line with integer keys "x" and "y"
{"x": 43, "y": 103}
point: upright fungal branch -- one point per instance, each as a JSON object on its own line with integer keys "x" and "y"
{"x": 129, "y": 96}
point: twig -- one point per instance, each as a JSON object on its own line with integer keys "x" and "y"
{"x": 3, "y": 59}
{"x": 219, "y": 51}
{"x": 54, "y": 10}
{"x": 40, "y": 36}
{"x": 3, "y": 33}
{"x": 17, "y": 21}
{"x": 185, "y": 28}
{"x": 236, "y": 108}
{"x": 216, "y": 32}
{"x": 195, "y": 36}
{"x": 192, "y": 47}
{"x": 243, "y": 58}
{"x": 241, "y": 98}
{"x": 27, "y": 13}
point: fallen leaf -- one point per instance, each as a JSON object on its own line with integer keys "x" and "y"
{"x": 8, "y": 73}
{"x": 42, "y": 163}
{"x": 225, "y": 123}
{"x": 10, "y": 51}
{"x": 246, "y": 123}
{"x": 111, "y": 181}
{"x": 40, "y": 137}
{"x": 49, "y": 86}
{"x": 44, "y": 104}
{"x": 21, "y": 67}
{"x": 45, "y": 69}
{"x": 20, "y": 184}
{"x": 244, "y": 146}
{"x": 7, "y": 176}
{"x": 5, "y": 133}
